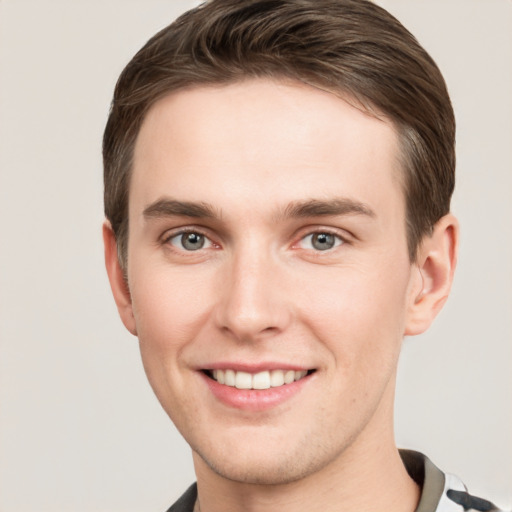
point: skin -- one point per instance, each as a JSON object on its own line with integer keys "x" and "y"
{"x": 260, "y": 291}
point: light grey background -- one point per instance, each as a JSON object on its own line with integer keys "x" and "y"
{"x": 79, "y": 427}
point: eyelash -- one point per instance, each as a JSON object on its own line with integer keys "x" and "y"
{"x": 177, "y": 234}
{"x": 339, "y": 240}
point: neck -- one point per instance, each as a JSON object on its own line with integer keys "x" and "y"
{"x": 369, "y": 475}
{"x": 373, "y": 492}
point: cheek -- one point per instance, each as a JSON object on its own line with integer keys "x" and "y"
{"x": 169, "y": 307}
{"x": 169, "y": 311}
{"x": 359, "y": 313}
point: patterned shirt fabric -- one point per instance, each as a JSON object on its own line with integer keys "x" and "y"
{"x": 440, "y": 492}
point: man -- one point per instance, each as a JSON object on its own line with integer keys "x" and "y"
{"x": 278, "y": 177}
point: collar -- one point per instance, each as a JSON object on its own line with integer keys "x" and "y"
{"x": 433, "y": 483}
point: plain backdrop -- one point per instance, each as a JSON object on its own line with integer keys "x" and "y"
{"x": 80, "y": 429}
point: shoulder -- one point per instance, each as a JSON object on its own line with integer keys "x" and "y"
{"x": 186, "y": 502}
{"x": 441, "y": 492}
{"x": 456, "y": 497}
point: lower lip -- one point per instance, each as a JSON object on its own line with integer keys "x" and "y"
{"x": 254, "y": 399}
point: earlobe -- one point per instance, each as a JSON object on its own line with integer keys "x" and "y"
{"x": 117, "y": 280}
{"x": 433, "y": 275}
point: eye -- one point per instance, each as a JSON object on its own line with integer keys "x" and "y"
{"x": 322, "y": 241}
{"x": 190, "y": 241}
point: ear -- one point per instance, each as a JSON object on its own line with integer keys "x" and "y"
{"x": 432, "y": 275}
{"x": 117, "y": 279}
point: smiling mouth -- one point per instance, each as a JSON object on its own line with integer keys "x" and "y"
{"x": 260, "y": 380}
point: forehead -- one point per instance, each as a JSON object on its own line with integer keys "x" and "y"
{"x": 262, "y": 139}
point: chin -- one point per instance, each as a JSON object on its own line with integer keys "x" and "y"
{"x": 268, "y": 466}
{"x": 259, "y": 472}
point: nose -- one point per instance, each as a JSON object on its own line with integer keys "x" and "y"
{"x": 253, "y": 302}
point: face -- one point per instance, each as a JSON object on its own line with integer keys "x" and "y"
{"x": 269, "y": 275}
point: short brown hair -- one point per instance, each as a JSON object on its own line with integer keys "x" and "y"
{"x": 348, "y": 47}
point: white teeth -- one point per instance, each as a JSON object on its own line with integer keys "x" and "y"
{"x": 276, "y": 378}
{"x": 289, "y": 377}
{"x": 229, "y": 377}
{"x": 243, "y": 380}
{"x": 261, "y": 380}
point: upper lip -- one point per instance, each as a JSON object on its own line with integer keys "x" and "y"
{"x": 254, "y": 367}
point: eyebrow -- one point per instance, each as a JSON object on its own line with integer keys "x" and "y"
{"x": 296, "y": 209}
{"x": 174, "y": 208}
{"x": 329, "y": 207}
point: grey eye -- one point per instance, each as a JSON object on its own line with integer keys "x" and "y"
{"x": 323, "y": 241}
{"x": 320, "y": 241}
{"x": 190, "y": 241}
